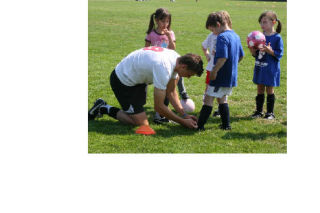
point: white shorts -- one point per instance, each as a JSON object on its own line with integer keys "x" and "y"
{"x": 221, "y": 91}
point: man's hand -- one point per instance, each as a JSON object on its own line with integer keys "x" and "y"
{"x": 190, "y": 123}
{"x": 191, "y": 117}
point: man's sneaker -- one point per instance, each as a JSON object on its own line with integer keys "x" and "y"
{"x": 269, "y": 116}
{"x": 216, "y": 114}
{"x": 257, "y": 114}
{"x": 224, "y": 127}
{"x": 95, "y": 110}
{"x": 184, "y": 96}
{"x": 160, "y": 120}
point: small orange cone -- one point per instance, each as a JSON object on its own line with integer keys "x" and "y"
{"x": 145, "y": 130}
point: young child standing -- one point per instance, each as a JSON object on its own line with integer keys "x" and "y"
{"x": 267, "y": 65}
{"x": 224, "y": 74}
{"x": 161, "y": 35}
{"x": 209, "y": 50}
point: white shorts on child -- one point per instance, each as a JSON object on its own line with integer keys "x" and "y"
{"x": 219, "y": 92}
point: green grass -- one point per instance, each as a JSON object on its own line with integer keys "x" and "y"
{"x": 116, "y": 28}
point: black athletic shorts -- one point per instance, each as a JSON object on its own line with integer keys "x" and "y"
{"x": 132, "y": 98}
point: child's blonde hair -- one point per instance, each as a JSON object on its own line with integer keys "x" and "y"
{"x": 222, "y": 17}
{"x": 227, "y": 16}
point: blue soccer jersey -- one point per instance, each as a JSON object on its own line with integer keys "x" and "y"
{"x": 229, "y": 47}
{"x": 267, "y": 67}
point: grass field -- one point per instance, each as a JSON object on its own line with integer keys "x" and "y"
{"x": 118, "y": 27}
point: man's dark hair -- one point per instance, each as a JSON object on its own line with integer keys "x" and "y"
{"x": 194, "y": 63}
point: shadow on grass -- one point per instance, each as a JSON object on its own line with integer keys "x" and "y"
{"x": 264, "y": 0}
{"x": 175, "y": 130}
{"x": 216, "y": 120}
{"x": 109, "y": 127}
{"x": 116, "y": 128}
{"x": 253, "y": 136}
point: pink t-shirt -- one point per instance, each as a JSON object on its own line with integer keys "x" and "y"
{"x": 159, "y": 40}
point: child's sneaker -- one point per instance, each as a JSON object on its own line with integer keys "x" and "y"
{"x": 95, "y": 110}
{"x": 269, "y": 116}
{"x": 184, "y": 96}
{"x": 257, "y": 114}
{"x": 160, "y": 120}
{"x": 224, "y": 127}
{"x": 216, "y": 113}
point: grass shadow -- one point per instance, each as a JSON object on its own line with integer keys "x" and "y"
{"x": 109, "y": 127}
{"x": 253, "y": 136}
{"x": 241, "y": 118}
{"x": 174, "y": 130}
{"x": 264, "y": 0}
{"x": 217, "y": 120}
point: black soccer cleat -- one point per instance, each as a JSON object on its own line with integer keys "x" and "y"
{"x": 257, "y": 114}
{"x": 269, "y": 116}
{"x": 224, "y": 127}
{"x": 95, "y": 110}
{"x": 216, "y": 114}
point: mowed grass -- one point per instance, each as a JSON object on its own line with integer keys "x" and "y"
{"x": 117, "y": 28}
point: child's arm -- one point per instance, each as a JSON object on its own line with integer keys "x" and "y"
{"x": 268, "y": 49}
{"x": 148, "y": 44}
{"x": 217, "y": 67}
{"x": 206, "y": 53}
{"x": 172, "y": 44}
{"x": 253, "y": 51}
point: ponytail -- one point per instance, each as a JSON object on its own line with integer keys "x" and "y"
{"x": 160, "y": 14}
{"x": 151, "y": 23}
{"x": 278, "y": 30}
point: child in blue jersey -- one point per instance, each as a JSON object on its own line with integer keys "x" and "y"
{"x": 224, "y": 74}
{"x": 209, "y": 50}
{"x": 267, "y": 65}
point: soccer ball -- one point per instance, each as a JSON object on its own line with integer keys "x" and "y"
{"x": 256, "y": 39}
{"x": 188, "y": 105}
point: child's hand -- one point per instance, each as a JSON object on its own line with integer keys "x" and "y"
{"x": 208, "y": 57}
{"x": 167, "y": 32}
{"x": 267, "y": 49}
{"x": 213, "y": 75}
{"x": 253, "y": 50}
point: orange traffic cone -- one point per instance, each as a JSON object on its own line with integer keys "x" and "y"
{"x": 145, "y": 130}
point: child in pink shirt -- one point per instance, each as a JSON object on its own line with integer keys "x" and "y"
{"x": 162, "y": 36}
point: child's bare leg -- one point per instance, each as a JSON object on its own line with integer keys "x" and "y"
{"x": 260, "y": 89}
